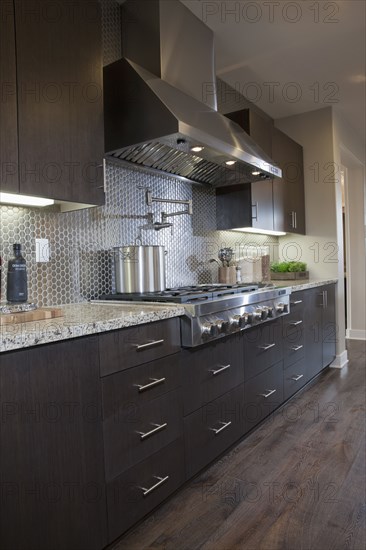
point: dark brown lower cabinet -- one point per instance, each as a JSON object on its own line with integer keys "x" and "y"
{"x": 320, "y": 328}
{"x": 294, "y": 378}
{"x": 263, "y": 394}
{"x": 133, "y": 433}
{"x": 212, "y": 429}
{"x": 210, "y": 371}
{"x": 51, "y": 452}
{"x": 140, "y": 489}
{"x": 263, "y": 347}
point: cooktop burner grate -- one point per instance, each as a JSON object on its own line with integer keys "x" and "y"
{"x": 185, "y": 294}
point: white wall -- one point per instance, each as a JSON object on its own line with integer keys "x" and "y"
{"x": 322, "y": 246}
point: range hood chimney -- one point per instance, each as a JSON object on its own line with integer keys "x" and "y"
{"x": 160, "y": 101}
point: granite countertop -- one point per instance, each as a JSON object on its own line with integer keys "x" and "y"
{"x": 83, "y": 319}
{"x": 303, "y": 284}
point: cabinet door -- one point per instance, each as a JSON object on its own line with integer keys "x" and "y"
{"x": 329, "y": 326}
{"x": 263, "y": 347}
{"x": 8, "y": 106}
{"x": 262, "y": 205}
{"x": 313, "y": 331}
{"x": 288, "y": 191}
{"x": 60, "y": 103}
{"x": 263, "y": 394}
{"x": 210, "y": 371}
{"x": 51, "y": 450}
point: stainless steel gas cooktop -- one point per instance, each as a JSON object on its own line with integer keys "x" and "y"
{"x": 215, "y": 311}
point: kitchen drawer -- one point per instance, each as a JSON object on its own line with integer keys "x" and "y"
{"x": 297, "y": 302}
{"x": 293, "y": 339}
{"x": 263, "y": 394}
{"x": 125, "y": 429}
{"x": 141, "y": 384}
{"x": 141, "y": 488}
{"x": 263, "y": 347}
{"x": 125, "y": 348}
{"x": 294, "y": 378}
{"x": 211, "y": 371}
{"x": 212, "y": 429}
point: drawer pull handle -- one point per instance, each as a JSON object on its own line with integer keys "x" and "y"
{"x": 221, "y": 369}
{"x": 296, "y": 302}
{"x": 296, "y": 348}
{"x": 269, "y": 346}
{"x": 162, "y": 480}
{"x": 297, "y": 377}
{"x": 158, "y": 428}
{"x": 141, "y": 347}
{"x": 155, "y": 382}
{"x": 223, "y": 427}
{"x": 269, "y": 392}
{"x": 295, "y": 323}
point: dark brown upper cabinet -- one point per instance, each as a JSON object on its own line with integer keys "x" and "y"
{"x": 249, "y": 205}
{"x": 9, "y": 180}
{"x": 288, "y": 191}
{"x": 60, "y": 145}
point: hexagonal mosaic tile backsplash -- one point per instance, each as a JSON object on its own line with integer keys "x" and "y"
{"x": 81, "y": 242}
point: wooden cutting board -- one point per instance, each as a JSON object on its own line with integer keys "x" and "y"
{"x": 29, "y": 316}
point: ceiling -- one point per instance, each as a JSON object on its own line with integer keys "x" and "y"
{"x": 292, "y": 57}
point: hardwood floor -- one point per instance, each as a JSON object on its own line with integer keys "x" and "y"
{"x": 296, "y": 483}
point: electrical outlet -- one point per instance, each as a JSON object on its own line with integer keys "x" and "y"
{"x": 42, "y": 251}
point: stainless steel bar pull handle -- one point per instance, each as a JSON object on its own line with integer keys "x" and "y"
{"x": 295, "y": 323}
{"x": 295, "y": 220}
{"x": 140, "y": 347}
{"x": 154, "y": 382}
{"x": 323, "y": 304}
{"x": 155, "y": 430}
{"x": 269, "y": 346}
{"x": 296, "y": 302}
{"x": 151, "y": 489}
{"x": 326, "y": 298}
{"x": 296, "y": 348}
{"x": 255, "y": 205}
{"x": 297, "y": 377}
{"x": 223, "y": 427}
{"x": 268, "y": 393}
{"x": 221, "y": 369}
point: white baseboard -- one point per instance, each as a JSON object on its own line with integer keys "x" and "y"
{"x": 355, "y": 334}
{"x": 340, "y": 361}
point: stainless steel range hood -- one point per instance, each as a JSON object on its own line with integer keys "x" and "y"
{"x": 160, "y": 101}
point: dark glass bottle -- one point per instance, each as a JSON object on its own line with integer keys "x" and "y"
{"x": 17, "y": 287}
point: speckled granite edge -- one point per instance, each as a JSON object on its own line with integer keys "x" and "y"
{"x": 304, "y": 285}
{"x": 82, "y": 320}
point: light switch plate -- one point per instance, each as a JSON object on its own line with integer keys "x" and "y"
{"x": 42, "y": 251}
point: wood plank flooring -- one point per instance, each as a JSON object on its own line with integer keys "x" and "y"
{"x": 296, "y": 483}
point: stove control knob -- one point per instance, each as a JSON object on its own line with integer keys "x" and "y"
{"x": 221, "y": 325}
{"x": 267, "y": 311}
{"x": 237, "y": 321}
{"x": 258, "y": 314}
{"x": 248, "y": 318}
{"x": 281, "y": 308}
{"x": 209, "y": 329}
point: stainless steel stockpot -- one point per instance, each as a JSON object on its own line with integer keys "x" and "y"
{"x": 139, "y": 268}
